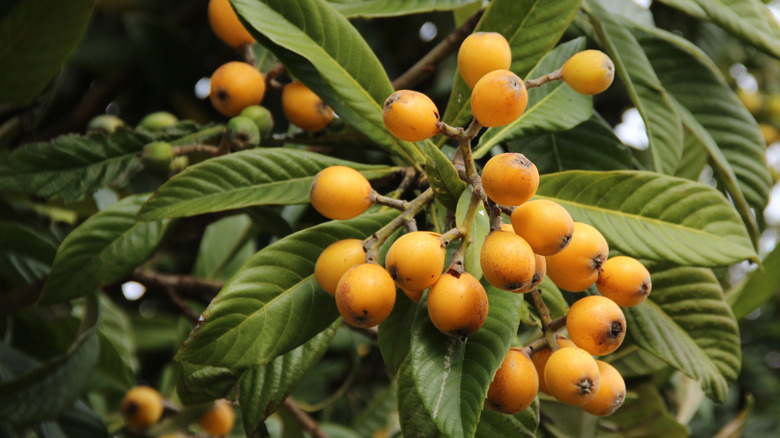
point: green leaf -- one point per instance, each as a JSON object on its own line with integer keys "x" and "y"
{"x": 201, "y": 384}
{"x": 532, "y": 27}
{"x": 225, "y": 246}
{"x": 452, "y": 375}
{"x": 480, "y": 228}
{"x": 646, "y": 415}
{"x": 71, "y": 166}
{"x": 591, "y": 145}
{"x": 42, "y": 391}
{"x": 653, "y": 216}
{"x": 444, "y": 179}
{"x": 102, "y": 250}
{"x": 498, "y": 425}
{"x": 664, "y": 130}
{"x": 117, "y": 362}
{"x": 273, "y": 304}
{"x": 414, "y": 419}
{"x": 759, "y": 287}
{"x": 384, "y": 8}
{"x": 687, "y": 323}
{"x": 395, "y": 332}
{"x": 262, "y": 389}
{"x": 81, "y": 422}
{"x": 243, "y": 179}
{"x": 36, "y": 38}
{"x": 25, "y": 254}
{"x": 379, "y": 414}
{"x": 552, "y": 107}
{"x": 323, "y": 50}
{"x": 748, "y": 20}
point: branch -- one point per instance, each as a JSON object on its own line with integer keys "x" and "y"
{"x": 186, "y": 285}
{"x": 304, "y": 419}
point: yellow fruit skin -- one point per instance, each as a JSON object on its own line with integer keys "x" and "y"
{"x": 498, "y": 98}
{"x": 611, "y": 394}
{"x": 541, "y": 357}
{"x": 544, "y": 224}
{"x": 510, "y": 179}
{"x": 624, "y": 280}
{"x": 219, "y": 420}
{"x": 416, "y": 260}
{"x": 226, "y": 25}
{"x": 507, "y": 261}
{"x": 515, "y": 385}
{"x": 596, "y": 324}
{"x": 304, "y": 109}
{"x": 335, "y": 260}
{"x": 482, "y": 52}
{"x": 539, "y": 273}
{"x": 458, "y": 305}
{"x": 365, "y": 295}
{"x": 578, "y": 265}
{"x": 340, "y": 192}
{"x": 589, "y": 72}
{"x": 572, "y": 376}
{"x": 235, "y": 86}
{"x": 141, "y": 407}
{"x": 410, "y": 115}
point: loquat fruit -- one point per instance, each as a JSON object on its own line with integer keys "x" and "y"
{"x": 596, "y": 324}
{"x": 157, "y": 156}
{"x": 588, "y": 72}
{"x": 235, "y": 86}
{"x": 544, "y": 224}
{"x": 572, "y": 376}
{"x": 141, "y": 407}
{"x": 540, "y": 358}
{"x": 457, "y": 304}
{"x": 416, "y": 260}
{"x": 410, "y": 115}
{"x": 611, "y": 393}
{"x": 304, "y": 109}
{"x": 515, "y": 384}
{"x": 157, "y": 120}
{"x": 507, "y": 261}
{"x": 105, "y": 123}
{"x": 578, "y": 265}
{"x": 263, "y": 118}
{"x": 340, "y": 192}
{"x": 539, "y": 273}
{"x": 624, "y": 280}
{"x": 335, "y": 260}
{"x": 510, "y": 178}
{"x": 242, "y": 133}
{"x": 482, "y": 52}
{"x": 365, "y": 295}
{"x": 219, "y": 420}
{"x": 498, "y": 98}
{"x": 226, "y": 25}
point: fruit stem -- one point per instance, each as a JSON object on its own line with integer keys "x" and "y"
{"x": 544, "y": 315}
{"x": 398, "y": 204}
{"x": 549, "y": 77}
{"x": 376, "y": 240}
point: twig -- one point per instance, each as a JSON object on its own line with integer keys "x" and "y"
{"x": 187, "y": 285}
{"x": 549, "y": 77}
{"x": 195, "y": 148}
{"x": 304, "y": 419}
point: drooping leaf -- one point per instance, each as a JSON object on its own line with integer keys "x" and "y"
{"x": 552, "y": 107}
{"x": 225, "y": 246}
{"x": 25, "y": 254}
{"x": 498, "y": 425}
{"x": 452, "y": 375}
{"x": 243, "y": 179}
{"x": 749, "y": 20}
{"x": 383, "y": 8}
{"x": 653, "y": 216}
{"x": 532, "y": 27}
{"x": 395, "y": 333}
{"x": 759, "y": 287}
{"x": 323, "y": 50}
{"x": 41, "y": 391}
{"x": 273, "y": 304}
{"x": 687, "y": 323}
{"x": 441, "y": 173}
{"x": 102, "y": 250}
{"x": 201, "y": 384}
{"x": 36, "y": 38}
{"x": 117, "y": 362}
{"x": 71, "y": 166}
{"x": 664, "y": 130}
{"x": 591, "y": 145}
{"x": 262, "y": 389}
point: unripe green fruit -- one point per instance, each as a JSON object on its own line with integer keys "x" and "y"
{"x": 157, "y": 120}
{"x": 104, "y": 123}
{"x": 262, "y": 118}
{"x": 242, "y": 133}
{"x": 157, "y": 156}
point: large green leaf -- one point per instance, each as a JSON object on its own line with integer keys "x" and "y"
{"x": 323, "y": 50}
{"x": 384, "y": 8}
{"x": 273, "y": 304}
{"x": 40, "y": 391}
{"x": 653, "y": 216}
{"x": 451, "y": 376}
{"x": 262, "y": 389}
{"x": 591, "y": 145}
{"x": 532, "y": 27}
{"x": 102, "y": 250}
{"x": 415, "y": 420}
{"x": 225, "y": 246}
{"x": 749, "y": 20}
{"x": 25, "y": 254}
{"x": 243, "y": 179}
{"x": 664, "y": 130}
{"x": 394, "y": 335}
{"x": 71, "y": 166}
{"x": 759, "y": 287}
{"x": 687, "y": 323}
{"x": 202, "y": 384}
{"x": 498, "y": 425}
{"x": 552, "y": 107}
{"x": 714, "y": 115}
{"x": 442, "y": 175}
{"x": 36, "y": 38}
{"x": 117, "y": 362}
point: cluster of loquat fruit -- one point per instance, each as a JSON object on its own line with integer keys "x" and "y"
{"x": 541, "y": 240}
